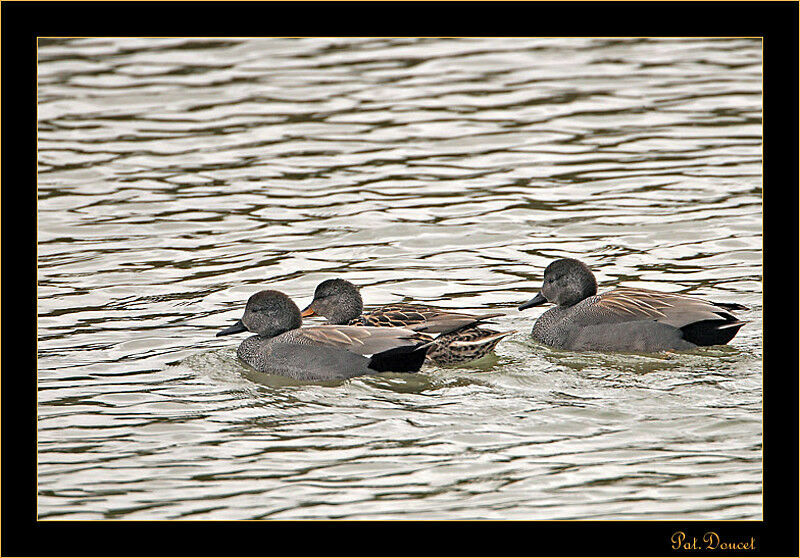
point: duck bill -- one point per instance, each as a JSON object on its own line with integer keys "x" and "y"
{"x": 238, "y": 327}
{"x": 535, "y": 301}
{"x": 309, "y": 311}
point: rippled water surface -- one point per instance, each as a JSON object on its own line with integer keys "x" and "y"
{"x": 178, "y": 177}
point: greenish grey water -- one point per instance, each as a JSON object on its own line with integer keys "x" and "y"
{"x": 178, "y": 177}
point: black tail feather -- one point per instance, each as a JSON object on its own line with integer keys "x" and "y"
{"x": 399, "y": 359}
{"x": 711, "y": 332}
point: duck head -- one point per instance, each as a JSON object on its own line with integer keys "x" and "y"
{"x": 268, "y": 313}
{"x": 336, "y": 299}
{"x": 566, "y": 282}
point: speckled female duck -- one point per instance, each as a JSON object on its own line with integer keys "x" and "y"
{"x": 328, "y": 352}
{"x": 624, "y": 319}
{"x": 340, "y": 302}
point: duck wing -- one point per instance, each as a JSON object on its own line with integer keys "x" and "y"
{"x": 465, "y": 344}
{"x": 436, "y": 320}
{"x": 630, "y": 304}
{"x": 358, "y": 339}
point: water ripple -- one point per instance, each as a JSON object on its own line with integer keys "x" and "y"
{"x": 177, "y": 177}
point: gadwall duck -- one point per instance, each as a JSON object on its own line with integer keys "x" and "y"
{"x": 624, "y": 319}
{"x": 320, "y": 353}
{"x": 340, "y": 302}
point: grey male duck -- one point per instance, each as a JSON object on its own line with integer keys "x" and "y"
{"x": 340, "y": 302}
{"x": 281, "y": 346}
{"x": 624, "y": 319}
